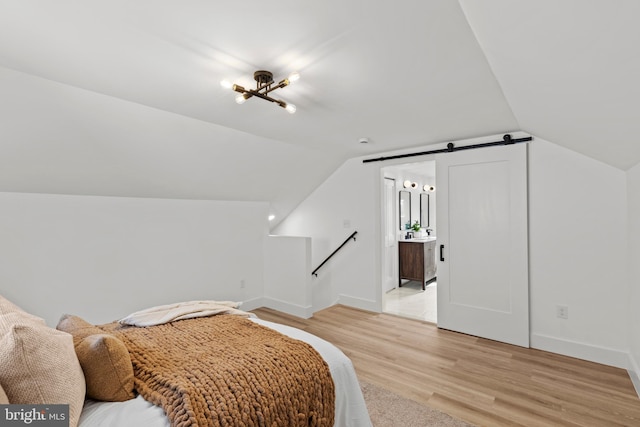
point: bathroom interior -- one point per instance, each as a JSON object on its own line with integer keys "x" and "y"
{"x": 409, "y": 267}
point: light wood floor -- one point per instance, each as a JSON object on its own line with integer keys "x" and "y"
{"x": 479, "y": 381}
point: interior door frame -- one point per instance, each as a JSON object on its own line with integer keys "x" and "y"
{"x": 379, "y": 174}
{"x": 386, "y": 207}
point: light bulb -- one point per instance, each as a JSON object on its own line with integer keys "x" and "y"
{"x": 432, "y": 188}
{"x": 425, "y": 188}
{"x": 406, "y": 184}
{"x": 226, "y": 84}
{"x": 240, "y": 99}
{"x": 272, "y": 217}
{"x": 293, "y": 77}
{"x": 290, "y": 108}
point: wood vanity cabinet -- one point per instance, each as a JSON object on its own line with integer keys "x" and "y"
{"x": 417, "y": 261}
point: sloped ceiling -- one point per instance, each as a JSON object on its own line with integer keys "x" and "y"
{"x": 569, "y": 70}
{"x": 122, "y": 98}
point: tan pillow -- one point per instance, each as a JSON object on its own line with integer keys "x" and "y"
{"x": 3, "y": 397}
{"x": 104, "y": 359}
{"x": 107, "y": 368}
{"x": 77, "y": 327}
{"x": 39, "y": 366}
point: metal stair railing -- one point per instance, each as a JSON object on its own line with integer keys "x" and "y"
{"x": 353, "y": 236}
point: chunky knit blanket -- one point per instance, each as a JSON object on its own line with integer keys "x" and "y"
{"x": 226, "y": 370}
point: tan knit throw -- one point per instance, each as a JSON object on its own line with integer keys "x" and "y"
{"x": 229, "y": 371}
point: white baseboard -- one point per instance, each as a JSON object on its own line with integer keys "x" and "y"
{"x": 634, "y": 373}
{"x": 286, "y": 307}
{"x": 252, "y": 304}
{"x": 361, "y": 303}
{"x": 606, "y": 356}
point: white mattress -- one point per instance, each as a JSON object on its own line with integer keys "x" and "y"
{"x": 351, "y": 410}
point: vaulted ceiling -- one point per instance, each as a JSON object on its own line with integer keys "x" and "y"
{"x": 568, "y": 69}
{"x": 122, "y": 98}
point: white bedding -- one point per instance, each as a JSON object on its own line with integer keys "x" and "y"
{"x": 351, "y": 410}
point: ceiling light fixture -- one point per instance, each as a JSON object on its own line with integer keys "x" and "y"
{"x": 264, "y": 86}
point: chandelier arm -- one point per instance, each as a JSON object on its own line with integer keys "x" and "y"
{"x": 282, "y": 84}
{"x": 242, "y": 90}
{"x": 268, "y": 98}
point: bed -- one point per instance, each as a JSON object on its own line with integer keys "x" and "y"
{"x": 348, "y": 406}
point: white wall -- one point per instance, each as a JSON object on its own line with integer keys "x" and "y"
{"x": 577, "y": 240}
{"x": 577, "y": 246}
{"x": 287, "y": 275}
{"x": 104, "y": 257}
{"x": 346, "y": 202}
{"x": 633, "y": 192}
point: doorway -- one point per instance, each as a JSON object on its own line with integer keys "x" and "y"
{"x": 408, "y": 196}
{"x": 482, "y": 239}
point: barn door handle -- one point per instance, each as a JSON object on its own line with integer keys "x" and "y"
{"x": 441, "y": 253}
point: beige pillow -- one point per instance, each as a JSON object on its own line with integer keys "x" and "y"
{"x": 3, "y": 397}
{"x": 10, "y": 314}
{"x": 7, "y": 306}
{"x": 107, "y": 368}
{"x": 104, "y": 359}
{"x": 39, "y": 366}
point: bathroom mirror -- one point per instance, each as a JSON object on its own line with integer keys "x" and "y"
{"x": 424, "y": 210}
{"x": 405, "y": 209}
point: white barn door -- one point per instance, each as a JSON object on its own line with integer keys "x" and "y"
{"x": 483, "y": 284}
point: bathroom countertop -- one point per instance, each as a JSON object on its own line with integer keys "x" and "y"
{"x": 423, "y": 240}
